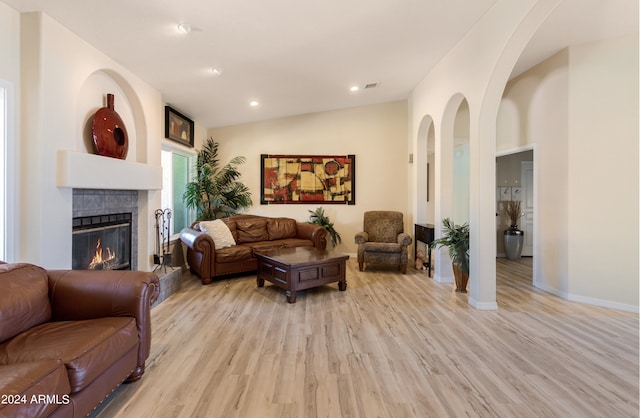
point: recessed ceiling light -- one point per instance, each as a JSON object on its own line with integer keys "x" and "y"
{"x": 216, "y": 71}
{"x": 354, "y": 88}
{"x": 253, "y": 103}
{"x": 184, "y": 28}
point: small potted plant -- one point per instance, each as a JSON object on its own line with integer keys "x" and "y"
{"x": 513, "y": 237}
{"x": 318, "y": 217}
{"x": 456, "y": 239}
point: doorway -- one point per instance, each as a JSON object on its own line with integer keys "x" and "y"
{"x": 515, "y": 180}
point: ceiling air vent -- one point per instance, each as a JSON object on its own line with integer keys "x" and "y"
{"x": 371, "y": 85}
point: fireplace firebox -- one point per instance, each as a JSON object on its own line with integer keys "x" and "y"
{"x": 102, "y": 242}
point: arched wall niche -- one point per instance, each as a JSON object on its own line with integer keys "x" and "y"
{"x": 92, "y": 96}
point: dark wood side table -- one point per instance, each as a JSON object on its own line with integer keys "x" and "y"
{"x": 294, "y": 269}
{"x": 425, "y": 234}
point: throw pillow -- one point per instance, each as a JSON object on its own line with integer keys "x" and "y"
{"x": 219, "y": 232}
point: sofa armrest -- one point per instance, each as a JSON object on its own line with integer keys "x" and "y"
{"x": 197, "y": 240}
{"x": 313, "y": 232}
{"x": 201, "y": 253}
{"x": 89, "y": 294}
{"x": 362, "y": 237}
{"x": 404, "y": 238}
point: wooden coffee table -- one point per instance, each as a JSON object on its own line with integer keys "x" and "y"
{"x": 294, "y": 269}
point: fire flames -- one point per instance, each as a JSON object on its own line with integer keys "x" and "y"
{"x": 100, "y": 262}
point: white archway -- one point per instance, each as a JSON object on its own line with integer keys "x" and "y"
{"x": 421, "y": 160}
{"x": 477, "y": 69}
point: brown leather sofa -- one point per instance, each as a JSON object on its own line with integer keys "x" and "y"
{"x": 251, "y": 233}
{"x": 69, "y": 338}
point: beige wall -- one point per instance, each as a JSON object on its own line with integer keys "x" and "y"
{"x": 579, "y": 110}
{"x": 603, "y": 172}
{"x": 376, "y": 134}
{"x": 535, "y": 111}
{"x": 9, "y": 43}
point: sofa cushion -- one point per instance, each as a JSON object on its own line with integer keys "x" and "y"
{"x": 219, "y": 232}
{"x": 252, "y": 230}
{"x": 280, "y": 228}
{"x": 231, "y": 224}
{"x": 266, "y": 245}
{"x": 24, "y": 300}
{"x": 232, "y": 254}
{"x": 383, "y": 247}
{"x": 87, "y": 348}
{"x": 297, "y": 242}
{"x": 23, "y": 381}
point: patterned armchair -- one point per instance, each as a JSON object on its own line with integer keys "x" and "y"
{"x": 383, "y": 240}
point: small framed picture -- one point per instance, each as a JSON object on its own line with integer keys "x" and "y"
{"x": 178, "y": 127}
{"x": 516, "y": 193}
{"x": 505, "y": 193}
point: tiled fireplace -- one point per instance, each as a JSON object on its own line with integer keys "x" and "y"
{"x": 105, "y": 225}
{"x": 102, "y": 242}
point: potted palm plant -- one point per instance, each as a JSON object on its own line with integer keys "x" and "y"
{"x": 318, "y": 217}
{"x": 456, "y": 239}
{"x": 215, "y": 191}
{"x": 513, "y": 237}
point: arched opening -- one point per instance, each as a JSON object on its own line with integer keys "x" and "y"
{"x": 451, "y": 176}
{"x": 461, "y": 153}
{"x": 424, "y": 161}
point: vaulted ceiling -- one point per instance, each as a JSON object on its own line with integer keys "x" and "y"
{"x": 302, "y": 56}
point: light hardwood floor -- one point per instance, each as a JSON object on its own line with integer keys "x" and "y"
{"x": 391, "y": 345}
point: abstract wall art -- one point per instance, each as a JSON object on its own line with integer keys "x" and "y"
{"x": 312, "y": 179}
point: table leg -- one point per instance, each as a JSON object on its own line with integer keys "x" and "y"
{"x": 342, "y": 285}
{"x": 291, "y": 296}
{"x": 260, "y": 282}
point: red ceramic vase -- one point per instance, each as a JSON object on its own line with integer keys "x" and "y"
{"x": 110, "y": 137}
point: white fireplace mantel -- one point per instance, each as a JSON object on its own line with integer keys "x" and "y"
{"x": 80, "y": 170}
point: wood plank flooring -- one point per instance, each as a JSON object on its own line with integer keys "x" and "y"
{"x": 391, "y": 345}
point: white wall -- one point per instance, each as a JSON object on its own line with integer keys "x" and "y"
{"x": 579, "y": 109}
{"x": 10, "y": 79}
{"x": 376, "y": 134}
{"x": 59, "y": 73}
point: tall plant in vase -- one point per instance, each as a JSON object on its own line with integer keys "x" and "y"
{"x": 513, "y": 237}
{"x": 216, "y": 191}
{"x": 456, "y": 239}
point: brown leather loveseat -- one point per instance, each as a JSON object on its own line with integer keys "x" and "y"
{"x": 250, "y": 233}
{"x": 69, "y": 338}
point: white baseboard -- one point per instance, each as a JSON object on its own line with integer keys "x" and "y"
{"x": 440, "y": 279}
{"x": 483, "y": 306}
{"x": 589, "y": 300}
